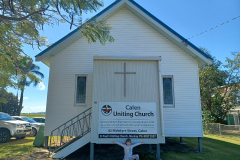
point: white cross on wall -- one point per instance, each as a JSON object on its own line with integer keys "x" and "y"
{"x": 125, "y": 73}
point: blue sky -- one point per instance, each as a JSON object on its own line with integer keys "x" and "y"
{"x": 187, "y": 17}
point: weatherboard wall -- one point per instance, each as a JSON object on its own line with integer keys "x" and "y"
{"x": 133, "y": 37}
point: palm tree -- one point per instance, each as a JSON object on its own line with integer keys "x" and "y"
{"x": 27, "y": 75}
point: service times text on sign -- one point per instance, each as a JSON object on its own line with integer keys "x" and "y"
{"x": 127, "y": 120}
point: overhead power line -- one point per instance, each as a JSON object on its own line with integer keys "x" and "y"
{"x": 214, "y": 27}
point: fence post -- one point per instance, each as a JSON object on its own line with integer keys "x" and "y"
{"x": 239, "y": 119}
{"x": 220, "y": 130}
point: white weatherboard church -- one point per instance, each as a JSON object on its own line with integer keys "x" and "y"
{"x": 144, "y": 86}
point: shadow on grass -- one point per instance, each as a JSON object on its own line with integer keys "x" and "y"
{"x": 213, "y": 149}
{"x": 116, "y": 152}
{"x": 20, "y": 141}
{"x": 110, "y": 152}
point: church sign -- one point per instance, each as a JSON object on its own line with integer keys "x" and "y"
{"x": 127, "y": 120}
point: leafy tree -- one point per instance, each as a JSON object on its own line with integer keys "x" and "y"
{"x": 219, "y": 85}
{"x": 11, "y": 107}
{"x": 24, "y": 19}
{"x": 7, "y": 75}
{"x": 28, "y": 75}
{"x": 21, "y": 21}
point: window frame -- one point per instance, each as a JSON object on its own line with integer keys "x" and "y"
{"x": 173, "y": 93}
{"x": 75, "y": 91}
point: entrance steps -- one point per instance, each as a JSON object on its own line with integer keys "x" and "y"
{"x": 72, "y": 147}
{"x": 70, "y": 136}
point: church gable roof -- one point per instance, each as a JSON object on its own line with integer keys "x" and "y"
{"x": 143, "y": 14}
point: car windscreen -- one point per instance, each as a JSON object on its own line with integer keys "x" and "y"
{"x": 5, "y": 117}
{"x": 41, "y": 120}
{"x": 30, "y": 120}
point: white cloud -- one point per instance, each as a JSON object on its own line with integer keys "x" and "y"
{"x": 28, "y": 109}
{"x": 41, "y": 86}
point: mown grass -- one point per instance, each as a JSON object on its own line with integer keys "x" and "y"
{"x": 214, "y": 148}
{"x": 16, "y": 148}
{"x": 33, "y": 115}
{"x": 229, "y": 134}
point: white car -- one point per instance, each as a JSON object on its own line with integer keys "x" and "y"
{"x": 9, "y": 127}
{"x": 35, "y": 125}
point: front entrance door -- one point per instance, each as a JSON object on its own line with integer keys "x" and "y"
{"x": 121, "y": 83}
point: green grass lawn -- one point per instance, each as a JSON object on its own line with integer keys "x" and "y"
{"x": 33, "y": 115}
{"x": 16, "y": 147}
{"x": 214, "y": 148}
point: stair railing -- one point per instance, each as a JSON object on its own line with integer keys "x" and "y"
{"x": 71, "y": 130}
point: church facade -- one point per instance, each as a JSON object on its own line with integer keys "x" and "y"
{"x": 148, "y": 67}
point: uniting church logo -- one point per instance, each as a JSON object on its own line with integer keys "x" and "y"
{"x": 106, "y": 110}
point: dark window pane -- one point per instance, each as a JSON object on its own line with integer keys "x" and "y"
{"x": 81, "y": 90}
{"x": 167, "y": 91}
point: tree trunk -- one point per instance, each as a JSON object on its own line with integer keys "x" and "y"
{"x": 20, "y": 103}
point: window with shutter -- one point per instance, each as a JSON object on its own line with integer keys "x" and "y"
{"x": 80, "y": 97}
{"x": 168, "y": 95}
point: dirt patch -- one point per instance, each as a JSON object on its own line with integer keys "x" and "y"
{"x": 37, "y": 154}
